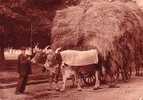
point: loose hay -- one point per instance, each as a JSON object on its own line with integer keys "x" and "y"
{"x": 110, "y": 27}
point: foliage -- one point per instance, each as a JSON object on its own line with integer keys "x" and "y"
{"x": 17, "y": 16}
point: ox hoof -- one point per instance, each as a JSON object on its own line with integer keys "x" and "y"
{"x": 57, "y": 89}
{"x": 96, "y": 88}
{"x": 49, "y": 89}
{"x": 114, "y": 86}
{"x": 62, "y": 90}
{"x": 79, "y": 89}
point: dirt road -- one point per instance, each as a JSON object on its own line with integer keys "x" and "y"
{"x": 132, "y": 90}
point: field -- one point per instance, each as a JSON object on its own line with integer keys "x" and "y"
{"x": 38, "y": 88}
{"x": 131, "y": 90}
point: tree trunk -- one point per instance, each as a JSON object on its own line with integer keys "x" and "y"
{"x": 2, "y": 58}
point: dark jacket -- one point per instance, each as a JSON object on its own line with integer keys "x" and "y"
{"x": 24, "y": 65}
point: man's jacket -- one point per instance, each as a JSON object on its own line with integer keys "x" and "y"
{"x": 24, "y": 65}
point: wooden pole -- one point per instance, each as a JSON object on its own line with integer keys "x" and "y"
{"x": 31, "y": 38}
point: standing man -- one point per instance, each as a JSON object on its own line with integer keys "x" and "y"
{"x": 24, "y": 69}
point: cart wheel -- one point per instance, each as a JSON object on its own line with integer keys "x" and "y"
{"x": 129, "y": 74}
{"x": 117, "y": 74}
{"x": 126, "y": 74}
{"x": 88, "y": 78}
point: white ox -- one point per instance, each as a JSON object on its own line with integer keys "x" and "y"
{"x": 79, "y": 58}
{"x": 72, "y": 62}
{"x": 139, "y": 3}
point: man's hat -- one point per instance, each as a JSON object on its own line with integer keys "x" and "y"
{"x": 23, "y": 48}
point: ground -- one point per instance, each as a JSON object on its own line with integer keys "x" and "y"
{"x": 132, "y": 90}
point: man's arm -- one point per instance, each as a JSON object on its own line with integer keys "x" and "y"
{"x": 24, "y": 60}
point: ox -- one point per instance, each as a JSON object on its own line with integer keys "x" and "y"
{"x": 74, "y": 63}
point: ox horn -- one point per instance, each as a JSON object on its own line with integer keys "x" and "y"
{"x": 47, "y": 47}
{"x": 36, "y": 46}
{"x": 58, "y": 50}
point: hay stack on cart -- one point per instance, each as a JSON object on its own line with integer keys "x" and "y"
{"x": 114, "y": 28}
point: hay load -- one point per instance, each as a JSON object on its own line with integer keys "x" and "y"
{"x": 113, "y": 27}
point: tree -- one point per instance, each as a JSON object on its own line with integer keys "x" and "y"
{"x": 17, "y": 16}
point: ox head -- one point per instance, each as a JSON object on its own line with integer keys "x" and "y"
{"x": 53, "y": 60}
{"x": 39, "y": 57}
{"x": 39, "y": 54}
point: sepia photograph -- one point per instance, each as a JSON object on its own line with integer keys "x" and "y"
{"x": 71, "y": 49}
